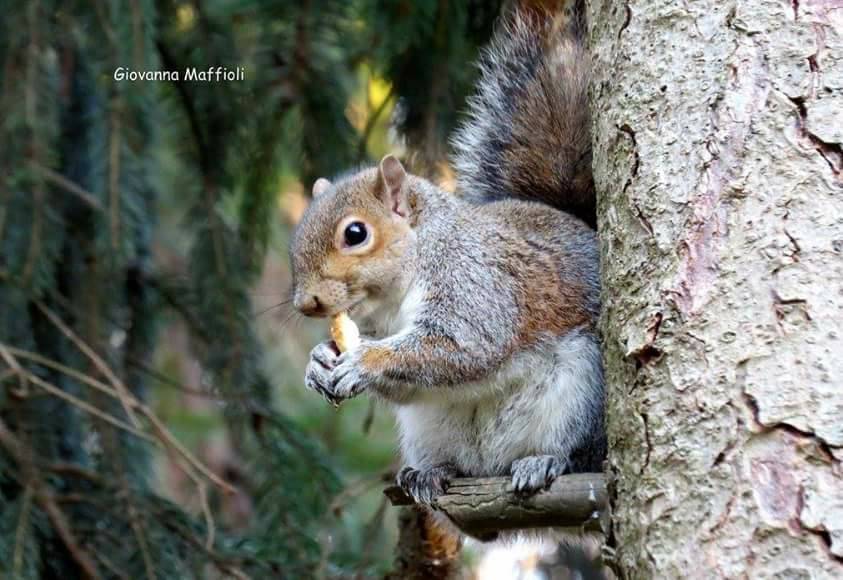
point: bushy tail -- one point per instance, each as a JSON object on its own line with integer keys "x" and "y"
{"x": 528, "y": 134}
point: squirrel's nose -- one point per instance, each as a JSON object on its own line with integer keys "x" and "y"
{"x": 308, "y": 304}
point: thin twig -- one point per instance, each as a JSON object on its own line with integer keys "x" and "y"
{"x": 74, "y": 469}
{"x": 172, "y": 442}
{"x": 55, "y": 365}
{"x": 15, "y": 369}
{"x": 23, "y": 524}
{"x": 74, "y": 498}
{"x": 106, "y": 26}
{"x": 87, "y": 407}
{"x": 209, "y": 518}
{"x": 217, "y": 560}
{"x": 64, "y": 183}
{"x": 108, "y": 564}
{"x": 350, "y": 492}
{"x": 114, "y": 174}
{"x": 35, "y": 151}
{"x": 172, "y": 383}
{"x": 124, "y": 394}
{"x": 137, "y": 528}
{"x": 357, "y": 488}
{"x": 23, "y": 456}
{"x": 10, "y": 360}
{"x": 66, "y": 534}
{"x": 165, "y": 437}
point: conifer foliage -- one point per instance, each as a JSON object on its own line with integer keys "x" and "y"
{"x": 86, "y": 163}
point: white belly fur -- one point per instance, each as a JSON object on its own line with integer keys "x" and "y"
{"x": 535, "y": 405}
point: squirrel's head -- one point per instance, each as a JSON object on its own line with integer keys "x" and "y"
{"x": 352, "y": 243}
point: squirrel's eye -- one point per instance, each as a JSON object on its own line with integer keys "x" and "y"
{"x": 355, "y": 234}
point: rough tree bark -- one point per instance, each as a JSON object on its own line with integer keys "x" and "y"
{"x": 717, "y": 131}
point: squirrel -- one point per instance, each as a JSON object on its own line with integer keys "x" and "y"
{"x": 477, "y": 310}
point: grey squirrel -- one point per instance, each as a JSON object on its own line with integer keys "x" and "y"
{"x": 478, "y": 310}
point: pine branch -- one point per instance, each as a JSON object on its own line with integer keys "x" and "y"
{"x": 124, "y": 394}
{"x": 61, "y": 181}
{"x": 23, "y": 456}
{"x": 8, "y": 354}
{"x": 35, "y": 145}
{"x": 20, "y": 531}
{"x": 74, "y": 470}
{"x": 137, "y": 528}
{"x": 194, "y": 467}
{"x": 169, "y": 62}
{"x": 219, "y": 562}
{"x": 115, "y": 123}
{"x": 86, "y": 407}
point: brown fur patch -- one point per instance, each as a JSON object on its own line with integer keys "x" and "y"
{"x": 547, "y": 304}
{"x": 568, "y": 174}
{"x": 377, "y": 359}
{"x": 549, "y": 308}
{"x": 542, "y": 7}
{"x": 381, "y": 359}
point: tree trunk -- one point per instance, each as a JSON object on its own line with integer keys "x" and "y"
{"x": 717, "y": 131}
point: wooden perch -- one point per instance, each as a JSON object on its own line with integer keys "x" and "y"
{"x": 482, "y": 507}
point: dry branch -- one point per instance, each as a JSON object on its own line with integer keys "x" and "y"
{"x": 482, "y": 507}
{"x": 23, "y": 456}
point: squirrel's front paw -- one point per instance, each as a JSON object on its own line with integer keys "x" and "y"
{"x": 347, "y": 379}
{"x": 426, "y": 485}
{"x": 317, "y": 374}
{"x": 535, "y": 472}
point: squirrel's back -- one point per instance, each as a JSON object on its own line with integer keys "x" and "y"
{"x": 528, "y": 134}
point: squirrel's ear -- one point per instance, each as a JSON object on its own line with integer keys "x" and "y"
{"x": 392, "y": 177}
{"x": 320, "y": 186}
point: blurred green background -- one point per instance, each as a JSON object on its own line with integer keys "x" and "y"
{"x": 144, "y": 333}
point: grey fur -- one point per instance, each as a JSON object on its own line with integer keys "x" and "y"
{"x": 528, "y": 132}
{"x": 479, "y": 322}
{"x": 462, "y": 352}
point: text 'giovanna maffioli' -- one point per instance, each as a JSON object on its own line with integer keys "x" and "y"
{"x": 190, "y": 74}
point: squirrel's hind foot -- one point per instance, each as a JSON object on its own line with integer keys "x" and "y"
{"x": 535, "y": 472}
{"x": 425, "y": 485}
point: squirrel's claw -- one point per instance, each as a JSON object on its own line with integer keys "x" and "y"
{"x": 335, "y": 376}
{"x": 347, "y": 379}
{"x": 326, "y": 354}
{"x": 424, "y": 486}
{"x": 317, "y": 375}
{"x": 533, "y": 473}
